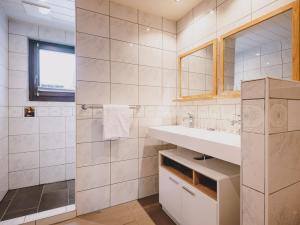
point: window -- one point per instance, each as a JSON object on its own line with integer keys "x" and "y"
{"x": 51, "y": 72}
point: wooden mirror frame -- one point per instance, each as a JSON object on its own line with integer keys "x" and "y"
{"x": 294, "y": 6}
{"x": 213, "y": 93}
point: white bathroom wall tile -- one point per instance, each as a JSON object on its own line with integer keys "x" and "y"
{"x": 150, "y": 56}
{"x": 18, "y": 43}
{"x": 148, "y": 166}
{"x": 51, "y": 34}
{"x": 23, "y": 143}
{"x": 52, "y": 141}
{"x": 18, "y": 61}
{"x": 123, "y": 12}
{"x": 168, "y": 96}
{"x": 52, "y": 157}
{"x": 92, "y": 200}
{"x": 100, "y": 6}
{"x": 18, "y": 79}
{"x": 150, "y": 95}
{"x": 70, "y": 124}
{"x": 169, "y": 78}
{"x": 92, "y": 70}
{"x": 253, "y": 161}
{"x": 17, "y": 97}
{"x": 92, "y": 23}
{"x": 293, "y": 118}
{"x": 93, "y": 93}
{"x": 52, "y": 174}
{"x": 150, "y": 76}
{"x": 124, "y": 52}
{"x": 124, "y": 149}
{"x": 150, "y": 37}
{"x": 89, "y": 154}
{"x": 15, "y": 112}
{"x": 150, "y": 20}
{"x": 92, "y": 46}
{"x": 52, "y": 124}
{"x": 228, "y": 112}
{"x": 124, "y": 94}
{"x": 23, "y": 161}
{"x": 252, "y": 207}
{"x": 24, "y": 178}
{"x": 124, "y": 73}
{"x": 278, "y": 115}
{"x": 287, "y": 71}
{"x": 123, "y": 30}
{"x": 88, "y": 177}
{"x": 23, "y": 126}
{"x": 169, "y": 26}
{"x": 148, "y": 186}
{"x": 271, "y": 59}
{"x": 124, "y": 192}
{"x": 124, "y": 170}
{"x": 253, "y": 116}
{"x": 287, "y": 56}
{"x": 70, "y": 154}
{"x": 21, "y": 28}
{"x": 169, "y": 60}
{"x": 89, "y": 130}
{"x": 71, "y": 171}
{"x": 283, "y": 164}
{"x": 169, "y": 41}
{"x": 70, "y": 38}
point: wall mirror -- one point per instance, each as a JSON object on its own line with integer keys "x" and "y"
{"x": 197, "y": 72}
{"x": 266, "y": 47}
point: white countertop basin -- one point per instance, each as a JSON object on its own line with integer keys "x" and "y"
{"x": 221, "y": 145}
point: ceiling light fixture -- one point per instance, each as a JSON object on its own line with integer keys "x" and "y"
{"x": 212, "y": 12}
{"x": 44, "y": 10}
{"x": 147, "y": 29}
{"x": 177, "y": 1}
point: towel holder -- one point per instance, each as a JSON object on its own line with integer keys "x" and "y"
{"x": 86, "y": 106}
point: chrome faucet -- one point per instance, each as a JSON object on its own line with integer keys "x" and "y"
{"x": 190, "y": 119}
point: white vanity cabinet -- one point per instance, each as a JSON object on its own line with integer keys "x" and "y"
{"x": 198, "y": 192}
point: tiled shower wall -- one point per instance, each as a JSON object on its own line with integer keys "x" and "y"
{"x": 42, "y": 148}
{"x": 207, "y": 21}
{"x": 270, "y": 152}
{"x": 3, "y": 104}
{"x": 124, "y": 56}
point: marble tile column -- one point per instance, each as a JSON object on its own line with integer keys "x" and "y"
{"x": 270, "y": 152}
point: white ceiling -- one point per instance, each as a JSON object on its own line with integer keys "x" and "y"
{"x": 166, "y": 8}
{"x": 278, "y": 28}
{"x": 62, "y": 12}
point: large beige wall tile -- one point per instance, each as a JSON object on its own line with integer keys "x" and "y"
{"x": 88, "y": 177}
{"x": 92, "y": 23}
{"x": 150, "y": 56}
{"x": 89, "y": 154}
{"x": 124, "y": 94}
{"x": 284, "y": 207}
{"x": 150, "y": 20}
{"x": 124, "y": 73}
{"x": 278, "y": 115}
{"x": 293, "y": 115}
{"x": 124, "y": 171}
{"x": 253, "y": 114}
{"x": 100, "y": 6}
{"x": 89, "y": 130}
{"x": 284, "y": 89}
{"x": 124, "y": 52}
{"x": 123, "y": 12}
{"x": 92, "y": 93}
{"x": 150, "y": 37}
{"x": 124, "y": 192}
{"x": 252, "y": 207}
{"x": 150, "y": 76}
{"x": 253, "y": 89}
{"x": 123, "y": 30}
{"x": 253, "y": 161}
{"x": 148, "y": 186}
{"x": 124, "y": 149}
{"x": 92, "y": 200}
{"x": 92, "y": 70}
{"x": 284, "y": 163}
{"x": 92, "y": 46}
{"x": 169, "y": 26}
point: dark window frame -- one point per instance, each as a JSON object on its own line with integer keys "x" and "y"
{"x": 34, "y": 76}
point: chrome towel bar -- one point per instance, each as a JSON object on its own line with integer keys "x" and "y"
{"x": 86, "y": 106}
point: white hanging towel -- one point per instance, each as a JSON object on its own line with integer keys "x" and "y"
{"x": 116, "y": 121}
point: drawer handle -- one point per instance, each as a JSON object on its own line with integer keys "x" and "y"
{"x": 188, "y": 191}
{"x": 174, "y": 181}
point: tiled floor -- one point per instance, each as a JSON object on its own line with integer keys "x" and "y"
{"x": 145, "y": 211}
{"x": 25, "y": 201}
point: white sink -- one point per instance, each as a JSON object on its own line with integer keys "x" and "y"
{"x": 220, "y": 145}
